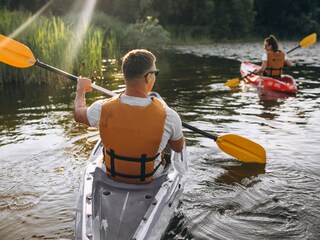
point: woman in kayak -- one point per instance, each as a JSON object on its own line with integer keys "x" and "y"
{"x": 273, "y": 60}
{"x": 134, "y": 126}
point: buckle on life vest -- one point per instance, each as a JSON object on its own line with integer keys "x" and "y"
{"x": 143, "y": 160}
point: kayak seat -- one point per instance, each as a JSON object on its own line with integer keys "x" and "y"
{"x": 126, "y": 204}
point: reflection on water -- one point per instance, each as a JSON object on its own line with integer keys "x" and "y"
{"x": 43, "y": 152}
{"x": 244, "y": 173}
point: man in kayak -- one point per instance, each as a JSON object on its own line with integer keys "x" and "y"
{"x": 134, "y": 126}
{"x": 273, "y": 60}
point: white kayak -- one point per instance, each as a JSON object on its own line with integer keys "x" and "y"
{"x": 107, "y": 209}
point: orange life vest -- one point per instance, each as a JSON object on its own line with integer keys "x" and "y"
{"x": 131, "y": 136}
{"x": 275, "y": 63}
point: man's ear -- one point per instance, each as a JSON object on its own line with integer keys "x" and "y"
{"x": 147, "y": 79}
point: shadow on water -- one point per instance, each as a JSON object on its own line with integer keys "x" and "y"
{"x": 244, "y": 173}
{"x": 177, "y": 229}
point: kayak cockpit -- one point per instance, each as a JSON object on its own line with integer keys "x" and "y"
{"x": 107, "y": 209}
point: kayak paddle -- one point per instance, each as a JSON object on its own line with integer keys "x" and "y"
{"x": 306, "y": 42}
{"x": 235, "y": 81}
{"x": 18, "y": 55}
{"x": 236, "y": 146}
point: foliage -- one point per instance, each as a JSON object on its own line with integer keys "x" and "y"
{"x": 287, "y": 18}
{"x": 50, "y": 40}
{"x": 233, "y": 19}
{"x": 215, "y": 19}
{"x": 113, "y": 29}
{"x": 146, "y": 34}
{"x": 129, "y": 11}
{"x": 90, "y": 55}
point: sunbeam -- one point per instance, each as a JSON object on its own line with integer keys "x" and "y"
{"x": 80, "y": 30}
{"x": 29, "y": 20}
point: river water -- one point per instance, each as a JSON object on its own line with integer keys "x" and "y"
{"x": 43, "y": 151}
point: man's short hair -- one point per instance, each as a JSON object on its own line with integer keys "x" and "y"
{"x": 136, "y": 63}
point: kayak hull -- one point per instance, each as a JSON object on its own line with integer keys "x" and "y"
{"x": 107, "y": 209}
{"x": 285, "y": 83}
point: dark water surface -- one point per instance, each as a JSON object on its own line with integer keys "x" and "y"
{"x": 43, "y": 151}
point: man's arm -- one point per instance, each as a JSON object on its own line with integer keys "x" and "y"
{"x": 80, "y": 106}
{"x": 177, "y": 145}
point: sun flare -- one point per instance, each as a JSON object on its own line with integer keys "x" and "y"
{"x": 79, "y": 30}
{"x": 29, "y": 20}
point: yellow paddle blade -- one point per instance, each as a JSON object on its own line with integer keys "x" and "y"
{"x": 242, "y": 149}
{"x": 232, "y": 82}
{"x": 309, "y": 40}
{"x": 15, "y": 54}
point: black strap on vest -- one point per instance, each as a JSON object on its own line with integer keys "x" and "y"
{"x": 271, "y": 69}
{"x": 143, "y": 160}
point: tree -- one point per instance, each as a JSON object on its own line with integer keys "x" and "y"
{"x": 287, "y": 18}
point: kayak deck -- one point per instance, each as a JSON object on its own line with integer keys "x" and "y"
{"x": 108, "y": 209}
{"x": 283, "y": 84}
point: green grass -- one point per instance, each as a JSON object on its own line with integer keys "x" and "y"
{"x": 51, "y": 41}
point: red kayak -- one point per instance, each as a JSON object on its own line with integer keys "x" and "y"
{"x": 285, "y": 83}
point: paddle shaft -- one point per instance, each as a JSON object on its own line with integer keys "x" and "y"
{"x": 110, "y": 93}
{"x": 214, "y": 137}
{"x": 293, "y": 49}
{"x": 306, "y": 42}
{"x": 56, "y": 70}
{"x": 71, "y": 77}
{"x": 246, "y": 75}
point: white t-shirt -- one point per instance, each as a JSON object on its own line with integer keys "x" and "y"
{"x": 172, "y": 126}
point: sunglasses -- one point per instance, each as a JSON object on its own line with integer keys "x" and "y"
{"x": 156, "y": 72}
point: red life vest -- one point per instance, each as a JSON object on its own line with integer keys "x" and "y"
{"x": 131, "y": 136}
{"x": 275, "y": 63}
